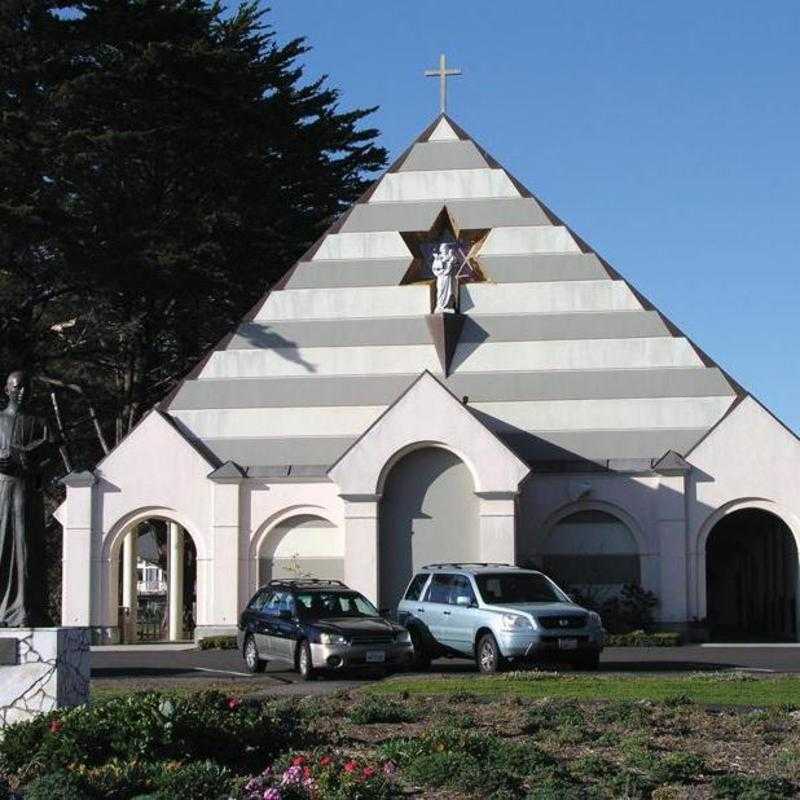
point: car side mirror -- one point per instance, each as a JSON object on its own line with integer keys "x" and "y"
{"x": 463, "y": 600}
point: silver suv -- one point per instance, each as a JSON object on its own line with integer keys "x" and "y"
{"x": 496, "y": 613}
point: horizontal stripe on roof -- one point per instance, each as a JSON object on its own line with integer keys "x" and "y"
{"x": 444, "y": 155}
{"x": 553, "y": 446}
{"x": 523, "y": 239}
{"x": 466, "y": 214}
{"x": 537, "y": 415}
{"x": 373, "y": 245}
{"x": 443, "y": 185}
{"x": 341, "y": 274}
{"x": 525, "y": 356}
{"x": 542, "y": 267}
{"x": 414, "y": 330}
{"x": 317, "y": 390}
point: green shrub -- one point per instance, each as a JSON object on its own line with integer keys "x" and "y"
{"x": 677, "y": 768}
{"x": 60, "y": 785}
{"x": 624, "y": 712}
{"x": 750, "y": 787}
{"x": 199, "y": 780}
{"x": 374, "y": 709}
{"x": 628, "y": 784}
{"x": 118, "y": 779}
{"x": 218, "y": 643}
{"x": 152, "y": 727}
{"x": 554, "y": 715}
{"x": 591, "y": 766}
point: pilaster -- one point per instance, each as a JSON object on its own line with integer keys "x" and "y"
{"x": 361, "y": 543}
{"x": 498, "y": 538}
{"x": 77, "y": 550}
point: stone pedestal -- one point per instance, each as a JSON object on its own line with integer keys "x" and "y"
{"x": 42, "y": 669}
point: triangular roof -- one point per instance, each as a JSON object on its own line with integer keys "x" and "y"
{"x": 558, "y": 354}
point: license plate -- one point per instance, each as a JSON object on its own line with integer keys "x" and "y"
{"x": 567, "y": 644}
{"x": 376, "y": 656}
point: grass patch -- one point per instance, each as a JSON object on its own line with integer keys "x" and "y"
{"x": 674, "y": 691}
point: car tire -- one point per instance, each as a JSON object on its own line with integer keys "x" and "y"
{"x": 305, "y": 665}
{"x": 488, "y": 656}
{"x": 587, "y": 661}
{"x": 422, "y": 654}
{"x": 252, "y": 660}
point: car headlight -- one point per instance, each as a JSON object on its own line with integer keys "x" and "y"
{"x": 515, "y": 622}
{"x": 332, "y": 638}
{"x": 594, "y": 619}
{"x": 404, "y": 637}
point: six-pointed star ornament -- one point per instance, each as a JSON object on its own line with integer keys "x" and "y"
{"x": 466, "y": 245}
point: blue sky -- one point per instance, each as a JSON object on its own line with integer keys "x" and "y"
{"x": 666, "y": 134}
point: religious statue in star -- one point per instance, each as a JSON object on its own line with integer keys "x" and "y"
{"x": 23, "y": 442}
{"x": 445, "y": 270}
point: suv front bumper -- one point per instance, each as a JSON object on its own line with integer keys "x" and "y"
{"x": 542, "y": 644}
{"x": 342, "y": 656}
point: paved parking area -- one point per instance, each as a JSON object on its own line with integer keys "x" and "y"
{"x": 147, "y": 667}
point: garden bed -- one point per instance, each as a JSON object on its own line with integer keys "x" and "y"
{"x": 451, "y": 743}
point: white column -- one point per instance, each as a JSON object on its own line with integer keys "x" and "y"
{"x": 361, "y": 544}
{"x": 78, "y": 594}
{"x": 175, "y": 573}
{"x": 498, "y": 538}
{"x": 130, "y": 598}
{"x": 673, "y": 549}
{"x": 226, "y": 565}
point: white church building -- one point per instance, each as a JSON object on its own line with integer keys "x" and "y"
{"x": 506, "y": 397}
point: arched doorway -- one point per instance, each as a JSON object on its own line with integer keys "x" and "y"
{"x": 156, "y": 594}
{"x": 302, "y": 546}
{"x": 428, "y": 514}
{"x": 592, "y": 551}
{"x": 751, "y": 577}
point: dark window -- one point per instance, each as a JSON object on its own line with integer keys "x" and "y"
{"x": 277, "y": 602}
{"x": 461, "y": 587}
{"x": 329, "y": 605}
{"x": 258, "y": 600}
{"x": 524, "y": 587}
{"x": 439, "y": 589}
{"x": 416, "y": 586}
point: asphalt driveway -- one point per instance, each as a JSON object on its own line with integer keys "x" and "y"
{"x": 147, "y": 668}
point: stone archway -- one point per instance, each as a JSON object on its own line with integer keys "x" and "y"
{"x": 300, "y": 545}
{"x": 184, "y": 567}
{"x": 428, "y": 513}
{"x": 751, "y": 577}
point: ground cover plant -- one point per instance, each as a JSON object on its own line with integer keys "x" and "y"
{"x": 454, "y": 743}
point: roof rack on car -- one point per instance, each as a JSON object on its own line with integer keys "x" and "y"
{"x": 463, "y": 564}
{"x": 305, "y": 582}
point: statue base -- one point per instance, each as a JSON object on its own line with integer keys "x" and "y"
{"x": 42, "y": 669}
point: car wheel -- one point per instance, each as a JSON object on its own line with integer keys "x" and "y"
{"x": 252, "y": 660}
{"x": 488, "y": 655}
{"x": 588, "y": 661}
{"x": 422, "y": 655}
{"x": 305, "y": 666}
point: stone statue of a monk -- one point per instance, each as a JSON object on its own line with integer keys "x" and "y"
{"x": 22, "y": 438}
{"x": 443, "y": 267}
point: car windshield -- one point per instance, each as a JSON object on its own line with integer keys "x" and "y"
{"x": 325, "y": 605}
{"x": 524, "y": 587}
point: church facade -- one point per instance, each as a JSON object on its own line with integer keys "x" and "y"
{"x": 451, "y": 374}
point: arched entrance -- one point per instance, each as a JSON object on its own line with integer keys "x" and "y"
{"x": 592, "y": 551}
{"x": 428, "y": 513}
{"x": 301, "y": 546}
{"x": 154, "y": 571}
{"x": 751, "y": 577}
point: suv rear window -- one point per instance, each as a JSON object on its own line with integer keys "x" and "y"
{"x": 416, "y": 586}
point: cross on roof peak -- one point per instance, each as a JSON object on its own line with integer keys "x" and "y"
{"x": 443, "y": 73}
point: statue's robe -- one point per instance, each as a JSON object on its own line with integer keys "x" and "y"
{"x": 21, "y": 519}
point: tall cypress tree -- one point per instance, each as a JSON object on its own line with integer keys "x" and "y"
{"x": 178, "y": 163}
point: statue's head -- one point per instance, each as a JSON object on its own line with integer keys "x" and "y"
{"x": 445, "y": 249}
{"x": 17, "y": 387}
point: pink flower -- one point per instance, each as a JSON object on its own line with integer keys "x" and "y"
{"x": 292, "y": 775}
{"x": 56, "y": 725}
{"x": 389, "y": 768}
{"x": 298, "y": 761}
{"x": 369, "y": 772}
{"x": 234, "y": 703}
{"x": 350, "y": 766}
{"x": 325, "y": 761}
{"x": 273, "y": 794}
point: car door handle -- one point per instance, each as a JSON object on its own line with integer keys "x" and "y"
{"x": 446, "y": 613}
{"x": 421, "y": 610}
